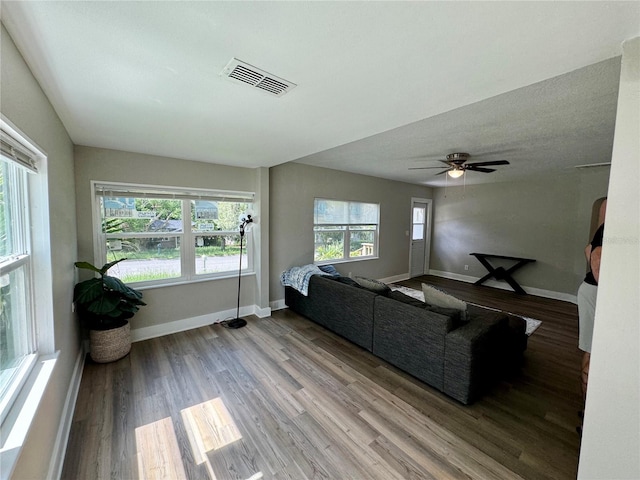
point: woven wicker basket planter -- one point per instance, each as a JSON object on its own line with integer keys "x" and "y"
{"x": 110, "y": 345}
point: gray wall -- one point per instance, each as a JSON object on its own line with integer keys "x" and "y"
{"x": 26, "y": 106}
{"x": 544, "y": 218}
{"x": 171, "y": 303}
{"x": 293, "y": 188}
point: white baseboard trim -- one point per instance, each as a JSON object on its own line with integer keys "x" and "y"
{"x": 277, "y": 305}
{"x": 395, "y": 278}
{"x": 539, "y": 292}
{"x": 64, "y": 429}
{"x": 154, "y": 331}
{"x": 262, "y": 312}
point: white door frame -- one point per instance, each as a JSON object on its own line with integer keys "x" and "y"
{"x": 427, "y": 235}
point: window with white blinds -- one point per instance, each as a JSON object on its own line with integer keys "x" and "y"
{"x": 344, "y": 230}
{"x": 17, "y": 326}
{"x": 170, "y": 234}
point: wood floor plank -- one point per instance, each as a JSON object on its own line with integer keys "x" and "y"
{"x": 284, "y": 398}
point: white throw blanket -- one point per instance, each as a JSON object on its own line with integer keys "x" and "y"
{"x": 298, "y": 277}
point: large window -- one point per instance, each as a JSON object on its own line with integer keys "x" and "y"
{"x": 344, "y": 230}
{"x": 17, "y": 328}
{"x": 171, "y": 235}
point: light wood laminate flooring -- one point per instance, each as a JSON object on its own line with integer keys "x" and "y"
{"x": 285, "y": 398}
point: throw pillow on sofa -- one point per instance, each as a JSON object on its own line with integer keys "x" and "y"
{"x": 374, "y": 286}
{"x": 401, "y": 297}
{"x": 438, "y": 298}
{"x": 453, "y": 313}
{"x": 330, "y": 269}
{"x": 346, "y": 281}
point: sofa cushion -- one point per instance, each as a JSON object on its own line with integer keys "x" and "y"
{"x": 438, "y": 298}
{"x": 343, "y": 309}
{"x": 374, "y": 286}
{"x": 452, "y": 313}
{"x": 346, "y": 281}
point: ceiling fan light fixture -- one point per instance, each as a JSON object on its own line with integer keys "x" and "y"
{"x": 455, "y": 173}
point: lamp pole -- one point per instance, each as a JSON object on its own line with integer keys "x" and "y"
{"x": 240, "y": 322}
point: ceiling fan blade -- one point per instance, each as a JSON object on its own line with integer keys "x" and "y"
{"x": 424, "y": 168}
{"x": 473, "y": 168}
{"x": 482, "y": 164}
{"x": 443, "y": 172}
{"x": 449, "y": 165}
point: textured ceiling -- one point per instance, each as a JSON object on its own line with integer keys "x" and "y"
{"x": 435, "y": 77}
{"x": 548, "y": 127}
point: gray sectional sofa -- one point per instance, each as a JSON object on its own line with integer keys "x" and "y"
{"x": 460, "y": 358}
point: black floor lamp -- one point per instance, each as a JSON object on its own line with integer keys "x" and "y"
{"x": 240, "y": 322}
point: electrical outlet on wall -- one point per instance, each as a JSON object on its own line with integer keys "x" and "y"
{"x": 466, "y": 267}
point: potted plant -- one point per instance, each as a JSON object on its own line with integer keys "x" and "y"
{"x": 105, "y": 304}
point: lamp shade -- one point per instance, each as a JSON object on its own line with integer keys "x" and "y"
{"x": 245, "y": 220}
{"x": 455, "y": 173}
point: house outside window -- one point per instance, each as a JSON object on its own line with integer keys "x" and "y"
{"x": 345, "y": 230}
{"x": 170, "y": 235}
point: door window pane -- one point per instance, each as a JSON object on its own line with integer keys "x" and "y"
{"x": 417, "y": 229}
{"x": 418, "y": 215}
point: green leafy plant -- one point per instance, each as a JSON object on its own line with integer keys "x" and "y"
{"x": 329, "y": 252}
{"x": 105, "y": 302}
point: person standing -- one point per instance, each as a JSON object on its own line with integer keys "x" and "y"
{"x": 587, "y": 295}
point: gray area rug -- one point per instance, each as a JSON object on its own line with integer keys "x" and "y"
{"x": 532, "y": 323}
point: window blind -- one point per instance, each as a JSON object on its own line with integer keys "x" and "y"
{"x": 14, "y": 151}
{"x": 173, "y": 193}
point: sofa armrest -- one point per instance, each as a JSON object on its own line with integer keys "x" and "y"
{"x": 411, "y": 338}
{"x": 472, "y": 356}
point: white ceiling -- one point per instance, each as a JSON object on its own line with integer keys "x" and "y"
{"x": 500, "y": 80}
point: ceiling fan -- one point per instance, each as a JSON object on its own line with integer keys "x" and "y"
{"x": 456, "y": 165}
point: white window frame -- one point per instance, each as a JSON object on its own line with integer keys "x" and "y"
{"x": 346, "y": 228}
{"x": 187, "y": 236}
{"x": 19, "y": 373}
{"x": 21, "y": 400}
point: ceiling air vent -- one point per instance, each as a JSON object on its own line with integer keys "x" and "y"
{"x": 241, "y": 72}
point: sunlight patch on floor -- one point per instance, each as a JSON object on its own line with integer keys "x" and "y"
{"x": 209, "y": 427}
{"x": 158, "y": 452}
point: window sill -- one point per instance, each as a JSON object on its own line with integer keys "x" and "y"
{"x": 345, "y": 260}
{"x": 225, "y": 276}
{"x": 16, "y": 426}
